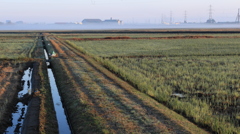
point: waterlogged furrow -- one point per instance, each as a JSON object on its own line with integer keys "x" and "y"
{"x": 21, "y": 107}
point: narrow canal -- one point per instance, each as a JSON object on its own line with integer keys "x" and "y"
{"x": 63, "y": 125}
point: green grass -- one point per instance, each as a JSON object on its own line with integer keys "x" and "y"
{"x": 176, "y": 47}
{"x": 77, "y": 35}
{"x": 17, "y": 48}
{"x": 161, "y": 77}
{"x": 66, "y": 36}
{"x": 206, "y": 71}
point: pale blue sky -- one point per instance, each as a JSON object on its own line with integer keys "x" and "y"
{"x": 129, "y": 11}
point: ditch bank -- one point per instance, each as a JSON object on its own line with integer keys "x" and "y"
{"x": 16, "y": 111}
{"x": 64, "y": 125}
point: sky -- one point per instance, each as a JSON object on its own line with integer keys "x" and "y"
{"x": 129, "y": 11}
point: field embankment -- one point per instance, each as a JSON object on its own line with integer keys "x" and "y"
{"x": 106, "y": 103}
{"x": 198, "y": 78}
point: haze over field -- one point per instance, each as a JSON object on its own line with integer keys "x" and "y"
{"x": 129, "y": 11}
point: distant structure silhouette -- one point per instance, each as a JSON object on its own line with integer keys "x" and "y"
{"x": 185, "y": 17}
{"x": 238, "y": 16}
{"x": 210, "y": 20}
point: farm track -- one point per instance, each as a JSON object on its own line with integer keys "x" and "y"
{"x": 120, "y": 107}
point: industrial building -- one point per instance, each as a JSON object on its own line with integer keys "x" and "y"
{"x": 113, "y": 21}
{"x": 99, "y": 21}
{"x": 91, "y": 21}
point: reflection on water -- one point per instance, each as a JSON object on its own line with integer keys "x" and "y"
{"x": 63, "y": 125}
{"x": 21, "y": 108}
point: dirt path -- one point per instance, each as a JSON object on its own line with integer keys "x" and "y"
{"x": 120, "y": 107}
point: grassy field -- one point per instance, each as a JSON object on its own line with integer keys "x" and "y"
{"x": 198, "y": 78}
{"x": 15, "y": 46}
{"x": 99, "y": 102}
{"x": 133, "y": 35}
{"x": 177, "y": 47}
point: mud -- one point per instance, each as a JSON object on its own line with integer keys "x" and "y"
{"x": 31, "y": 122}
{"x": 11, "y": 83}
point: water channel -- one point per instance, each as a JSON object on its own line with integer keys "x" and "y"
{"x": 63, "y": 125}
{"x": 21, "y": 108}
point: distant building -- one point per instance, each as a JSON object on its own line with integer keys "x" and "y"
{"x": 91, "y": 21}
{"x": 113, "y": 21}
{"x": 98, "y": 21}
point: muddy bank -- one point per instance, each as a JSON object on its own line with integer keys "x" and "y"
{"x": 12, "y": 75}
{"x": 31, "y": 121}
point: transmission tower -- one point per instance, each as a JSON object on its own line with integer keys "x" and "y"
{"x": 185, "y": 17}
{"x": 171, "y": 17}
{"x": 210, "y": 13}
{"x": 162, "y": 20}
{"x": 238, "y": 16}
{"x": 210, "y": 20}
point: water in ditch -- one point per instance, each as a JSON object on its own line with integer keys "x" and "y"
{"x": 63, "y": 125}
{"x": 21, "y": 107}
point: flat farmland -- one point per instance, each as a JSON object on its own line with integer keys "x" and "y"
{"x": 106, "y": 102}
{"x": 120, "y": 82}
{"x": 14, "y": 46}
{"x": 19, "y": 53}
{"x": 198, "y": 78}
{"x": 164, "y": 47}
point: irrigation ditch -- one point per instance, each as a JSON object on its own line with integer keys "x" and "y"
{"x": 29, "y": 110}
{"x": 64, "y": 126}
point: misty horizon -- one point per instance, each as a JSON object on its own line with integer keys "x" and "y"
{"x": 115, "y": 27}
{"x": 130, "y": 11}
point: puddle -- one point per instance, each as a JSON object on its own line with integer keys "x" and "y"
{"x": 21, "y": 107}
{"x": 63, "y": 125}
{"x": 178, "y": 95}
